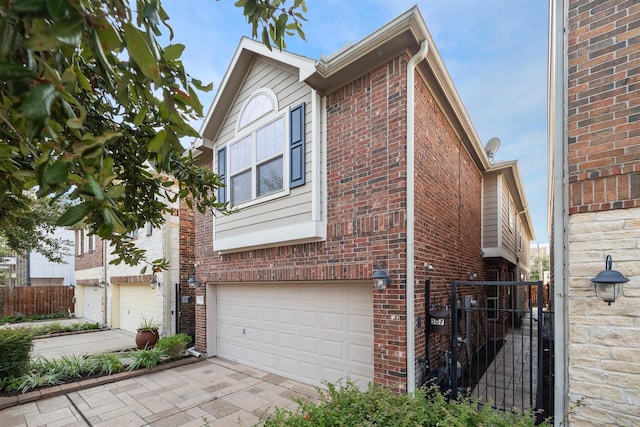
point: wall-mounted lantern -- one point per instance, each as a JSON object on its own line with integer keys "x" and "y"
{"x": 193, "y": 282}
{"x": 608, "y": 283}
{"x": 380, "y": 279}
{"x": 153, "y": 282}
{"x": 100, "y": 285}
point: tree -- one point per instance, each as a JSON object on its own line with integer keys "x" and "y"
{"x": 539, "y": 265}
{"x": 94, "y": 108}
{"x": 33, "y": 232}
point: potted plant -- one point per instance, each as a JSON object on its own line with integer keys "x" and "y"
{"x": 147, "y": 335}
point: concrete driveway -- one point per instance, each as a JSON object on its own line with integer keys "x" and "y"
{"x": 211, "y": 392}
{"x": 84, "y": 344}
{"x": 80, "y": 344}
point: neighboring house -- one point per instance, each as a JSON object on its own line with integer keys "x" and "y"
{"x": 120, "y": 296}
{"x": 362, "y": 160}
{"x": 595, "y": 208}
{"x": 44, "y": 272}
{"x": 35, "y": 269}
{"x": 506, "y": 233}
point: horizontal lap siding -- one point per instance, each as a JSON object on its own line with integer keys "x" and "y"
{"x": 508, "y": 235}
{"x": 291, "y": 209}
{"x": 490, "y": 207}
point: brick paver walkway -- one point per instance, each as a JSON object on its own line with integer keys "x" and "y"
{"x": 212, "y": 392}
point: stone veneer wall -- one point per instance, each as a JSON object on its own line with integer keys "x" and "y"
{"x": 604, "y": 340}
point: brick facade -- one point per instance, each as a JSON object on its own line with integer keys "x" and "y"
{"x": 91, "y": 259}
{"x": 367, "y": 218}
{"x": 604, "y": 207}
{"x": 604, "y": 106}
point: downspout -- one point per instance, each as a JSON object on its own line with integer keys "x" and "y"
{"x": 106, "y": 280}
{"x": 411, "y": 185}
{"x": 558, "y": 189}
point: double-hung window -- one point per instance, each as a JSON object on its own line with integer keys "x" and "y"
{"x": 256, "y": 163}
{"x": 267, "y": 155}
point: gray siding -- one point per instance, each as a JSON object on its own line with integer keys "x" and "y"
{"x": 508, "y": 234}
{"x": 297, "y": 206}
{"x": 490, "y": 212}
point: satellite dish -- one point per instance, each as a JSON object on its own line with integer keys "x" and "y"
{"x": 492, "y": 148}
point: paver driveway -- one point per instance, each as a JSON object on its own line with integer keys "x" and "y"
{"x": 212, "y": 392}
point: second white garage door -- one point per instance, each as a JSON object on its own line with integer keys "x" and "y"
{"x": 308, "y": 332}
{"x": 92, "y": 303}
{"x": 136, "y": 301}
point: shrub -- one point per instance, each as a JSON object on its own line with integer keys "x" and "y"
{"x": 15, "y": 346}
{"x": 106, "y": 363}
{"x": 377, "y": 406}
{"x": 146, "y": 358}
{"x": 174, "y": 346}
{"x": 22, "y": 318}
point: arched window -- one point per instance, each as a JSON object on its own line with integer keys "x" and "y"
{"x": 267, "y": 156}
{"x": 259, "y": 105}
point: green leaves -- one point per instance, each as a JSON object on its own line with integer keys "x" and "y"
{"x": 94, "y": 107}
{"x": 68, "y": 31}
{"x": 74, "y": 214}
{"x": 140, "y": 51}
{"x": 12, "y": 71}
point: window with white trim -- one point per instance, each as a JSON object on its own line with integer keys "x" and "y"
{"x": 266, "y": 157}
{"x": 512, "y": 214}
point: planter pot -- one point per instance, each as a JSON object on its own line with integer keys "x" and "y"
{"x": 147, "y": 339}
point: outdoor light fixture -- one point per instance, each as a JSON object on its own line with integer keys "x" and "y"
{"x": 472, "y": 276}
{"x": 608, "y": 283}
{"x": 99, "y": 285}
{"x": 193, "y": 282}
{"x": 153, "y": 282}
{"x": 381, "y": 279}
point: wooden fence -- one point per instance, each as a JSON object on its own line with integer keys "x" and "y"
{"x": 35, "y": 300}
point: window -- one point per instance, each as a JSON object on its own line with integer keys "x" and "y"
{"x": 512, "y": 214}
{"x": 91, "y": 243}
{"x": 264, "y": 159}
{"x": 255, "y": 163}
{"x": 80, "y": 240}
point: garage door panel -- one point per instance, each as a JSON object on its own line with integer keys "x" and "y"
{"x": 359, "y": 354}
{"x": 313, "y": 333}
{"x": 137, "y": 301}
{"x": 92, "y": 303}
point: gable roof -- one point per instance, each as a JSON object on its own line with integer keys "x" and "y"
{"x": 248, "y": 50}
{"x": 405, "y": 33}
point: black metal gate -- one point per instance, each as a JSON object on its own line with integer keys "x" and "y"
{"x": 501, "y": 348}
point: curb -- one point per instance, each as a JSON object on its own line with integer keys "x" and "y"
{"x": 44, "y": 393}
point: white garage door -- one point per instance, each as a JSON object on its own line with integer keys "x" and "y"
{"x": 136, "y": 301}
{"x": 92, "y": 303}
{"x": 308, "y": 332}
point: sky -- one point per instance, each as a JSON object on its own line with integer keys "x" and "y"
{"x": 494, "y": 50}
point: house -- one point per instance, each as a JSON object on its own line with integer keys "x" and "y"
{"x": 120, "y": 296}
{"x": 35, "y": 269}
{"x": 358, "y": 164}
{"x": 594, "y": 195}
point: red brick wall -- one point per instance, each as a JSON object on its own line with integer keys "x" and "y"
{"x": 604, "y": 105}
{"x": 187, "y": 320}
{"x": 448, "y": 221}
{"x": 89, "y": 259}
{"x": 366, "y": 173}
